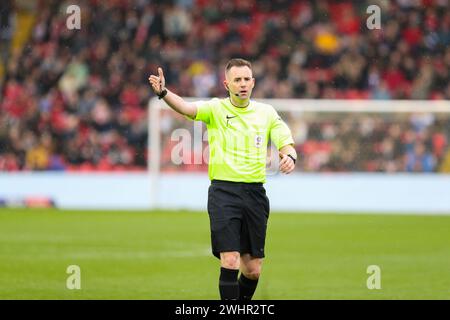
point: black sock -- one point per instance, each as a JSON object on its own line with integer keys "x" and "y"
{"x": 247, "y": 287}
{"x": 228, "y": 284}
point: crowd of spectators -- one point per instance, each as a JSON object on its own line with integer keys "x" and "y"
{"x": 336, "y": 142}
{"x": 77, "y": 99}
{"x": 375, "y": 143}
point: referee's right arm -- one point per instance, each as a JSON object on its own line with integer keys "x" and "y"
{"x": 174, "y": 101}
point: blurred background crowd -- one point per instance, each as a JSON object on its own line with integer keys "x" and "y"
{"x": 340, "y": 142}
{"x": 77, "y": 99}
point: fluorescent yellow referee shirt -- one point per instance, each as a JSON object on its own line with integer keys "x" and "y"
{"x": 238, "y": 138}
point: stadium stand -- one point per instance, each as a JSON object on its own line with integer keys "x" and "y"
{"x": 76, "y": 100}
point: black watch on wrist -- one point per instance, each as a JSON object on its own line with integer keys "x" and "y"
{"x": 162, "y": 94}
{"x": 293, "y": 159}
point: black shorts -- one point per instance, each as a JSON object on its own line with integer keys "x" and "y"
{"x": 238, "y": 214}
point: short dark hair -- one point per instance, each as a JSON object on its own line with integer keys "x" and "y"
{"x": 238, "y": 62}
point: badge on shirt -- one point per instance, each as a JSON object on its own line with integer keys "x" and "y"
{"x": 258, "y": 141}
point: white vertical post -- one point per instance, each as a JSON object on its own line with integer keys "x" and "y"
{"x": 154, "y": 150}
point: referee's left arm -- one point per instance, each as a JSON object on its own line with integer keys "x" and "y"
{"x": 281, "y": 136}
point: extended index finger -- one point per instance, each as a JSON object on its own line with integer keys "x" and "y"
{"x": 160, "y": 72}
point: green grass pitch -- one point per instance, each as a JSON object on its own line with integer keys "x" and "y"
{"x": 166, "y": 255}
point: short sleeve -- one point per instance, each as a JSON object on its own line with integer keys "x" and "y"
{"x": 204, "y": 111}
{"x": 280, "y": 134}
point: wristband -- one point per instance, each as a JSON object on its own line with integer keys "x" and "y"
{"x": 162, "y": 94}
{"x": 293, "y": 159}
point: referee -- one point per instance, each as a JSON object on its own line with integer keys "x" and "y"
{"x": 238, "y": 208}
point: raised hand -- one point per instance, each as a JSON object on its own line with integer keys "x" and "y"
{"x": 158, "y": 83}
